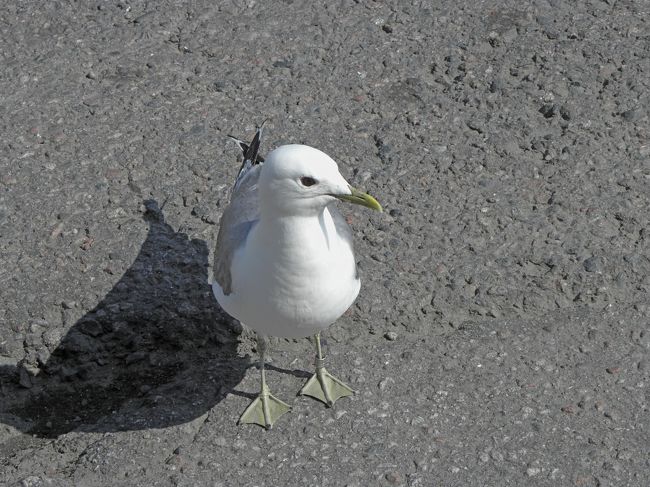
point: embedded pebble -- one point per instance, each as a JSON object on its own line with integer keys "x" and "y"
{"x": 390, "y": 335}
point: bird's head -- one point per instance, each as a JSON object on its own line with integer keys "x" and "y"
{"x": 298, "y": 179}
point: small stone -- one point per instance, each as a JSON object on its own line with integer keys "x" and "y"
{"x": 631, "y": 115}
{"x": 610, "y": 415}
{"x": 592, "y": 264}
{"x": 31, "y": 481}
{"x": 68, "y": 372}
{"x": 496, "y": 455}
{"x": 393, "y": 478}
{"x": 42, "y": 356}
{"x": 390, "y": 336}
{"x": 204, "y": 214}
{"x": 283, "y": 63}
{"x": 625, "y": 455}
{"x": 23, "y": 378}
{"x": 551, "y": 33}
{"x": 565, "y": 113}
{"x": 533, "y": 471}
{"x": 87, "y": 243}
{"x": 420, "y": 464}
{"x": 91, "y": 328}
{"x": 384, "y": 383}
{"x": 496, "y": 86}
{"x": 57, "y": 230}
{"x": 173, "y": 460}
{"x": 615, "y": 466}
{"x": 32, "y": 370}
{"x": 475, "y": 125}
{"x": 115, "y": 213}
{"x": 387, "y": 28}
{"x": 548, "y": 110}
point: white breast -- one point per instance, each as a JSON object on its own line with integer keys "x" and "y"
{"x": 293, "y": 277}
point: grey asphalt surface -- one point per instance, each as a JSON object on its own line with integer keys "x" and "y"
{"x": 502, "y": 334}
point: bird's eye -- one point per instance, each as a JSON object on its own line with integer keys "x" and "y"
{"x": 307, "y": 181}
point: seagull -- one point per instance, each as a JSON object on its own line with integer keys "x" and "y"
{"x": 284, "y": 263}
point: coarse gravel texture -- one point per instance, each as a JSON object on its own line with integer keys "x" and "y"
{"x": 502, "y": 334}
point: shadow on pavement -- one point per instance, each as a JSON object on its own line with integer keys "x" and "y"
{"x": 156, "y": 351}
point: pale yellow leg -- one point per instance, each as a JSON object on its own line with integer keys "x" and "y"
{"x": 265, "y": 408}
{"x": 323, "y": 385}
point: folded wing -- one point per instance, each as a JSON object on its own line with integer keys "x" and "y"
{"x": 241, "y": 214}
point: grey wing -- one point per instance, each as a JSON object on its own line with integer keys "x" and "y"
{"x": 343, "y": 229}
{"x": 236, "y": 222}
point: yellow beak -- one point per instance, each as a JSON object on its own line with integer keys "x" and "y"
{"x": 360, "y": 198}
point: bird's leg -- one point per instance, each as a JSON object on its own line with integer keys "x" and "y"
{"x": 323, "y": 385}
{"x": 265, "y": 408}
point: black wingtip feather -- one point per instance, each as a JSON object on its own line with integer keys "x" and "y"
{"x": 250, "y": 151}
{"x": 242, "y": 145}
{"x": 251, "y": 154}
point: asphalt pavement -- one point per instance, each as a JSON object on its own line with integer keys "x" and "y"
{"x": 502, "y": 333}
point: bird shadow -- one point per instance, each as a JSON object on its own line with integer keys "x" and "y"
{"x": 301, "y": 374}
{"x": 157, "y": 351}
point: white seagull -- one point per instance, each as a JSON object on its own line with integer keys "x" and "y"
{"x": 284, "y": 264}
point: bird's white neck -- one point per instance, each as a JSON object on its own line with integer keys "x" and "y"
{"x": 298, "y": 236}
